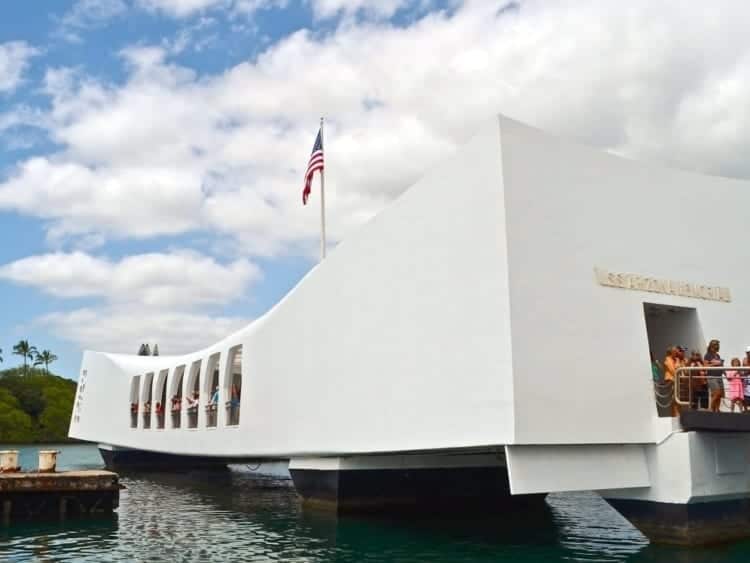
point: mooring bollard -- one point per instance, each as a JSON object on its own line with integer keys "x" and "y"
{"x": 9, "y": 461}
{"x": 47, "y": 461}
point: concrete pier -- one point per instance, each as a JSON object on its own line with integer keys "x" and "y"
{"x": 470, "y": 483}
{"x": 45, "y": 496}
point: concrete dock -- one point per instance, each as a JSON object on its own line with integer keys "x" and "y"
{"x": 26, "y": 496}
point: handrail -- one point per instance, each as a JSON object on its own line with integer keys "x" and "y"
{"x": 690, "y": 369}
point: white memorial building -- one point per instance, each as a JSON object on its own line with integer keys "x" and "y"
{"x": 487, "y": 335}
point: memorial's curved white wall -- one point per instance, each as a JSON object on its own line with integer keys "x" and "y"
{"x": 467, "y": 313}
{"x": 399, "y": 340}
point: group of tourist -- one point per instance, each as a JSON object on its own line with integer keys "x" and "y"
{"x": 193, "y": 400}
{"x": 158, "y": 408}
{"x": 706, "y": 388}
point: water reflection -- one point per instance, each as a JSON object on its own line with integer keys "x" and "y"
{"x": 236, "y": 517}
{"x": 597, "y": 533}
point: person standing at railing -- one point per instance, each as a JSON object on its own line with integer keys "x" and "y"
{"x": 715, "y": 384}
{"x": 746, "y": 377}
{"x": 671, "y": 363}
{"x": 698, "y": 382}
{"x": 656, "y": 371}
{"x": 736, "y": 393}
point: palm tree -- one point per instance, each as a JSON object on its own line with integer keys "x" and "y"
{"x": 24, "y": 349}
{"x": 44, "y": 357}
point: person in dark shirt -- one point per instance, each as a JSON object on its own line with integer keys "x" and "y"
{"x": 715, "y": 379}
{"x": 698, "y": 382}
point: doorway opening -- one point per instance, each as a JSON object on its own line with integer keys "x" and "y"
{"x": 666, "y": 326}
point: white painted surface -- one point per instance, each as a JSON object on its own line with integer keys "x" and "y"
{"x": 580, "y": 352}
{"x": 467, "y": 314}
{"x": 399, "y": 341}
{"x": 695, "y": 467}
{"x": 542, "y": 469}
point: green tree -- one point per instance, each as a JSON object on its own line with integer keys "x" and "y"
{"x": 35, "y": 407}
{"x": 24, "y": 349}
{"x": 54, "y": 422}
{"x": 15, "y": 425}
{"x": 45, "y": 357}
{"x": 1, "y": 355}
{"x": 30, "y": 397}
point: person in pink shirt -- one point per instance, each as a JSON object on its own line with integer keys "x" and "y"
{"x": 736, "y": 393}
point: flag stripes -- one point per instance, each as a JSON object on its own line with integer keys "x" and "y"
{"x": 316, "y": 163}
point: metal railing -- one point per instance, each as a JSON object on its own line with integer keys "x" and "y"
{"x": 192, "y": 416}
{"x": 176, "y": 419}
{"x": 211, "y": 415}
{"x": 134, "y": 415}
{"x": 233, "y": 413}
{"x": 689, "y": 373}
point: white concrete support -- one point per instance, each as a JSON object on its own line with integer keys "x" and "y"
{"x": 544, "y": 469}
{"x": 692, "y": 467}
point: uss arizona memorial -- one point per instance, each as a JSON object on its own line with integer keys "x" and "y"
{"x": 479, "y": 341}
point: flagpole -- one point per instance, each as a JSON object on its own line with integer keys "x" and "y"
{"x": 322, "y": 200}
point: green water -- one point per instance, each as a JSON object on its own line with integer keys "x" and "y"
{"x": 232, "y": 517}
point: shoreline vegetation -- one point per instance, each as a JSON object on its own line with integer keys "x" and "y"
{"x": 35, "y": 404}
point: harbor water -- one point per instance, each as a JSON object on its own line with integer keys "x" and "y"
{"x": 236, "y": 517}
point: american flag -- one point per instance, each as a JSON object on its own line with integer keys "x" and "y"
{"x": 315, "y": 163}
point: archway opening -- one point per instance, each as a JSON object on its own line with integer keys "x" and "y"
{"x": 176, "y": 397}
{"x": 146, "y": 399}
{"x": 135, "y": 385}
{"x": 233, "y": 385}
{"x": 192, "y": 399}
{"x": 161, "y": 398}
{"x": 212, "y": 390}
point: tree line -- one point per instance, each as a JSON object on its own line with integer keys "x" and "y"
{"x": 35, "y": 406}
{"x": 30, "y": 354}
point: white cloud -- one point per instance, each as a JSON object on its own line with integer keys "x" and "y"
{"x": 183, "y": 8}
{"x": 187, "y": 8}
{"x": 169, "y": 150}
{"x": 161, "y": 281}
{"x": 135, "y": 201}
{"x": 14, "y": 60}
{"x": 374, "y": 8}
{"x": 89, "y": 14}
{"x": 123, "y": 330}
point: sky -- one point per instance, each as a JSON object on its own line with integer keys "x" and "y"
{"x": 152, "y": 151}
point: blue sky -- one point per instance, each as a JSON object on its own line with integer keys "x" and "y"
{"x": 88, "y": 38}
{"x": 152, "y": 151}
{"x": 96, "y": 51}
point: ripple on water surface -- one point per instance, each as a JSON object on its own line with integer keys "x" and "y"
{"x": 233, "y": 517}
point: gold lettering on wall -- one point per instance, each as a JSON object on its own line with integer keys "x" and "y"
{"x": 667, "y": 287}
